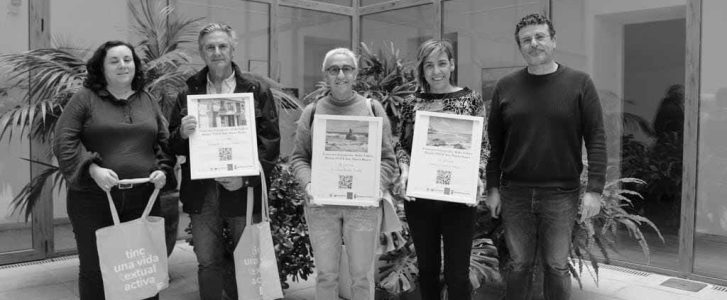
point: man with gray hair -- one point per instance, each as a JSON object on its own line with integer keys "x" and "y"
{"x": 215, "y": 203}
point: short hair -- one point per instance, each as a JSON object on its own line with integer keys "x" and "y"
{"x": 95, "y": 78}
{"x": 533, "y": 19}
{"x": 425, "y": 50}
{"x": 212, "y": 27}
{"x": 344, "y": 51}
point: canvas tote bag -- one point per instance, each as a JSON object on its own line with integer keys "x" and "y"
{"x": 133, "y": 254}
{"x": 256, "y": 269}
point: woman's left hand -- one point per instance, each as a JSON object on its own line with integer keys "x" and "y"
{"x": 158, "y": 178}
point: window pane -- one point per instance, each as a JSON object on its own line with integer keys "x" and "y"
{"x": 15, "y": 233}
{"x": 634, "y": 51}
{"x": 711, "y": 225}
{"x": 304, "y": 38}
{"x": 370, "y": 2}
{"x": 406, "y": 28}
{"x": 482, "y": 35}
{"x": 248, "y": 19}
{"x": 337, "y": 2}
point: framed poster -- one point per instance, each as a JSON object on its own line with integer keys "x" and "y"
{"x": 225, "y": 141}
{"x": 346, "y": 160}
{"x": 445, "y": 157}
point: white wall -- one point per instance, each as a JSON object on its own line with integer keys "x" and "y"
{"x": 712, "y": 168}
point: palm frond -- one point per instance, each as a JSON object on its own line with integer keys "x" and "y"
{"x": 48, "y": 77}
{"x": 282, "y": 99}
{"x": 29, "y": 195}
{"x": 161, "y": 32}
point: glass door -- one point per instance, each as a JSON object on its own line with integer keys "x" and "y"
{"x": 710, "y": 232}
{"x": 21, "y": 237}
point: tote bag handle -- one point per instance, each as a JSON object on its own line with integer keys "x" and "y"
{"x": 251, "y": 197}
{"x": 149, "y": 204}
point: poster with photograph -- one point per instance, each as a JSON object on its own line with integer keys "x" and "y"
{"x": 346, "y": 160}
{"x": 225, "y": 141}
{"x": 445, "y": 157}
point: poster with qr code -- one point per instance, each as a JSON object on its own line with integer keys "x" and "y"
{"x": 346, "y": 160}
{"x": 445, "y": 157}
{"x": 225, "y": 141}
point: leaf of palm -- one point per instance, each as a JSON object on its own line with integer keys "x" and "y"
{"x": 161, "y": 32}
{"x": 25, "y": 200}
{"x": 52, "y": 75}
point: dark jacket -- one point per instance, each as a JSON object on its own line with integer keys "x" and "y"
{"x": 193, "y": 192}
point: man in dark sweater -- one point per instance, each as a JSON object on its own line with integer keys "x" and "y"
{"x": 540, "y": 117}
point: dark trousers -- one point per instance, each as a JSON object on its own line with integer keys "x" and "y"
{"x": 216, "y": 266}
{"x": 89, "y": 211}
{"x": 538, "y": 218}
{"x": 438, "y": 226}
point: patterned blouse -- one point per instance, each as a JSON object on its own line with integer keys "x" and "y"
{"x": 462, "y": 102}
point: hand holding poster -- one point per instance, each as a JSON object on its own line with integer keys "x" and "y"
{"x": 225, "y": 140}
{"x": 346, "y": 160}
{"x": 445, "y": 157}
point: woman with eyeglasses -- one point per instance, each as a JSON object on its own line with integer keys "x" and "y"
{"x": 111, "y": 129}
{"x": 331, "y": 226}
{"x": 433, "y": 222}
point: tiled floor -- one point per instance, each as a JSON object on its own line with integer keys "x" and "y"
{"x": 57, "y": 280}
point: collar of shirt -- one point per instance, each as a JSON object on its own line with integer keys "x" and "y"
{"x": 228, "y": 85}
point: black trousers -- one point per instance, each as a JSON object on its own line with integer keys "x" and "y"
{"x": 89, "y": 211}
{"x": 442, "y": 227}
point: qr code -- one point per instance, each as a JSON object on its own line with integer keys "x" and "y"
{"x": 345, "y": 182}
{"x": 444, "y": 177}
{"x": 225, "y": 154}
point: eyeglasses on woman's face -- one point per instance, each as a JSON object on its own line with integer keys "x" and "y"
{"x": 335, "y": 70}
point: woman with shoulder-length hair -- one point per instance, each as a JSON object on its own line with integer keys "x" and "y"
{"x": 111, "y": 129}
{"x": 329, "y": 225}
{"x": 430, "y": 221}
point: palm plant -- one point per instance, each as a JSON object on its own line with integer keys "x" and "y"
{"x": 597, "y": 235}
{"x": 49, "y": 77}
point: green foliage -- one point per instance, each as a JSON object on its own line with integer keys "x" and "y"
{"x": 288, "y": 226}
{"x": 385, "y": 77}
{"x": 398, "y": 270}
{"x": 595, "y": 237}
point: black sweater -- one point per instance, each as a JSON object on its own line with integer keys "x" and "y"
{"x": 537, "y": 127}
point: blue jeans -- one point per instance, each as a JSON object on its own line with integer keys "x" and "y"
{"x": 331, "y": 226}
{"x": 216, "y": 270}
{"x": 89, "y": 211}
{"x": 538, "y": 218}
{"x": 437, "y": 228}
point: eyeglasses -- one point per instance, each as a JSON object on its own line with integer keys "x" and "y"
{"x": 537, "y": 37}
{"x": 334, "y": 70}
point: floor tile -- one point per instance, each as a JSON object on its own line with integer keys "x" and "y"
{"x": 55, "y": 291}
